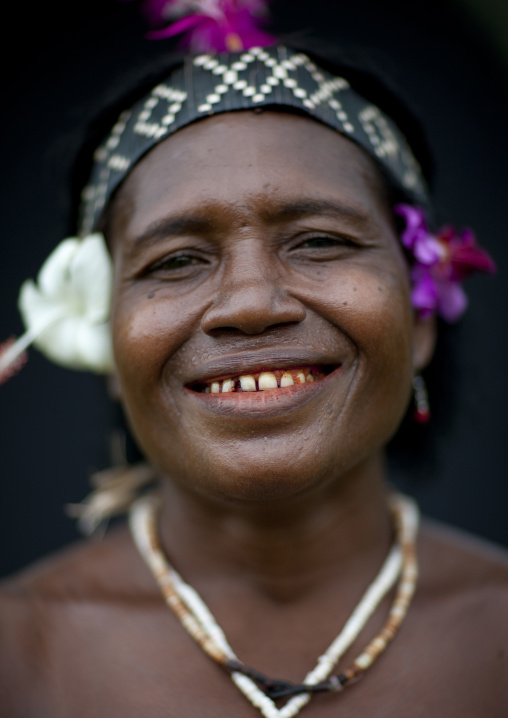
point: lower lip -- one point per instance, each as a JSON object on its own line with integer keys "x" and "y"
{"x": 271, "y": 402}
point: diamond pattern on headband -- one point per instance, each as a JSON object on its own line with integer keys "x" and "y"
{"x": 274, "y": 76}
{"x": 174, "y": 98}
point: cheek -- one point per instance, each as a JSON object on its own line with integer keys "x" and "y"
{"x": 373, "y": 308}
{"x": 369, "y": 300}
{"x": 379, "y": 305}
{"x": 148, "y": 329}
{"x": 388, "y": 350}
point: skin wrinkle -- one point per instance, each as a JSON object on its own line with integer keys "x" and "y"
{"x": 273, "y": 546}
{"x": 184, "y": 223}
{"x": 293, "y": 312}
{"x": 234, "y": 218}
{"x": 278, "y": 520}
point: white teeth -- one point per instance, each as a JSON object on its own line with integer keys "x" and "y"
{"x": 267, "y": 380}
{"x": 248, "y": 383}
{"x": 228, "y": 385}
{"x": 286, "y": 379}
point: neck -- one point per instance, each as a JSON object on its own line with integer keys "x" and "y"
{"x": 288, "y": 549}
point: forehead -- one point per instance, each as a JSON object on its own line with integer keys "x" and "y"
{"x": 245, "y": 160}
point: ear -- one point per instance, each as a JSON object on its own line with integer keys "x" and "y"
{"x": 424, "y": 341}
{"x": 114, "y": 387}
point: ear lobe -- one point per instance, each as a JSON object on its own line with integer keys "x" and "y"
{"x": 114, "y": 388}
{"x": 424, "y": 341}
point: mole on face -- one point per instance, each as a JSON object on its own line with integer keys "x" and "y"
{"x": 262, "y": 241}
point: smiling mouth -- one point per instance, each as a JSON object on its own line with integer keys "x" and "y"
{"x": 275, "y": 379}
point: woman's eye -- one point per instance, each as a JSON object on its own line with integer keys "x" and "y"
{"x": 173, "y": 264}
{"x": 324, "y": 242}
{"x": 319, "y": 243}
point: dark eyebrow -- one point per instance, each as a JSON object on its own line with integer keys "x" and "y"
{"x": 171, "y": 226}
{"x": 294, "y": 209}
{"x": 305, "y": 207}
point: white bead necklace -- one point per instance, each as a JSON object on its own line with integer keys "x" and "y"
{"x": 202, "y": 626}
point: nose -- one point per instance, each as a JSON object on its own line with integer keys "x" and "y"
{"x": 252, "y": 298}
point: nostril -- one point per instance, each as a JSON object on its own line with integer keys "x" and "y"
{"x": 250, "y": 327}
{"x": 252, "y": 312}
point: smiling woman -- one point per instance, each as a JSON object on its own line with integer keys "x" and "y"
{"x": 267, "y": 340}
{"x": 286, "y": 259}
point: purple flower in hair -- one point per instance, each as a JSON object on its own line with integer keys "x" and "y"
{"x": 442, "y": 260}
{"x": 211, "y": 25}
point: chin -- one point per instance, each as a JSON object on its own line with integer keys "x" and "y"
{"x": 258, "y": 472}
{"x": 262, "y": 486}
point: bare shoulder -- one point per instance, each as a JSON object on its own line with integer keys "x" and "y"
{"x": 44, "y": 605}
{"x": 87, "y": 572}
{"x": 462, "y": 562}
{"x": 462, "y": 604}
{"x": 467, "y": 570}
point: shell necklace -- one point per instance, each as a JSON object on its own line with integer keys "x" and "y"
{"x": 261, "y": 691}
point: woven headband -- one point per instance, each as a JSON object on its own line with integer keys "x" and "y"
{"x": 273, "y": 76}
{"x": 66, "y": 313}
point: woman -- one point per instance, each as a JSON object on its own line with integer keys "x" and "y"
{"x": 266, "y": 340}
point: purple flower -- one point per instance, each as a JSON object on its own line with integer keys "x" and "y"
{"x": 416, "y": 237}
{"x": 210, "y": 25}
{"x": 431, "y": 294}
{"x": 441, "y": 262}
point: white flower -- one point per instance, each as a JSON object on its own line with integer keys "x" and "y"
{"x": 66, "y": 313}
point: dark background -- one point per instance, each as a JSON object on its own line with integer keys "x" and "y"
{"x": 54, "y": 424}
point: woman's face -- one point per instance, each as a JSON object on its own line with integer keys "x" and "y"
{"x": 260, "y": 243}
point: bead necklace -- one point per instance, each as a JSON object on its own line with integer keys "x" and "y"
{"x": 261, "y": 691}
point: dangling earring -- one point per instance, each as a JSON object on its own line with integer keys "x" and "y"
{"x": 422, "y": 409}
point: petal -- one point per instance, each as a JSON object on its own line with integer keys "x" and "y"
{"x": 75, "y": 344}
{"x": 37, "y": 310}
{"x": 424, "y": 294}
{"x": 155, "y": 9}
{"x": 416, "y": 226}
{"x": 468, "y": 259}
{"x": 94, "y": 347}
{"x": 91, "y": 275}
{"x": 211, "y": 25}
{"x": 186, "y": 24}
{"x": 68, "y": 312}
{"x": 468, "y": 238}
{"x": 427, "y": 250}
{"x": 452, "y": 301}
{"x": 54, "y": 274}
{"x": 58, "y": 342}
{"x": 447, "y": 234}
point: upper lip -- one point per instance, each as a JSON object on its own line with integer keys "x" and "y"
{"x": 251, "y": 362}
